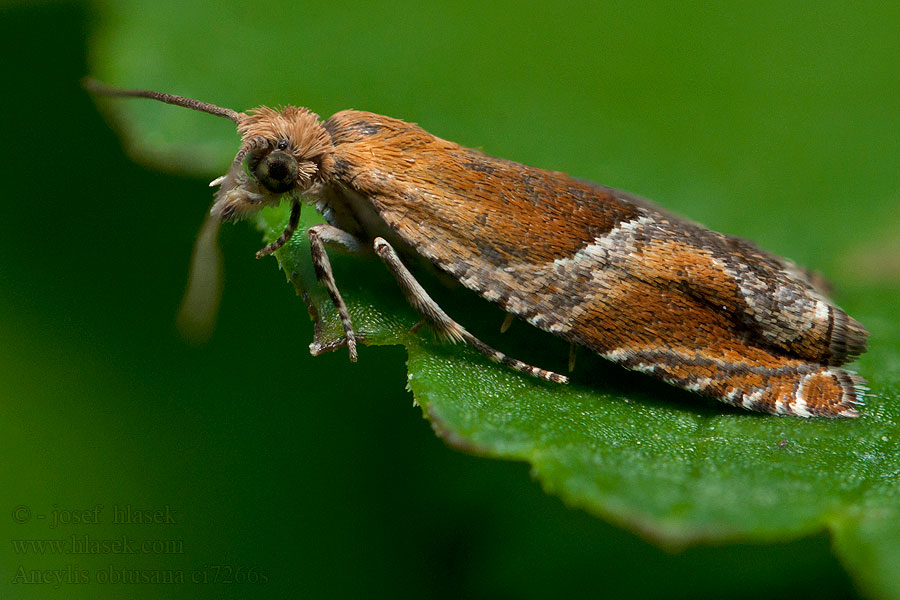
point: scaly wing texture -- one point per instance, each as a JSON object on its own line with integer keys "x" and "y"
{"x": 601, "y": 268}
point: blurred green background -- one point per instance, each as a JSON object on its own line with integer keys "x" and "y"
{"x": 775, "y": 123}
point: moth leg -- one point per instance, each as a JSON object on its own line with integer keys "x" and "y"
{"x": 200, "y": 304}
{"x": 319, "y": 235}
{"x": 317, "y": 347}
{"x": 286, "y": 234}
{"x": 507, "y": 322}
{"x": 447, "y": 327}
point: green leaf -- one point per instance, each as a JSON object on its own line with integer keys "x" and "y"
{"x": 691, "y": 108}
{"x": 675, "y": 467}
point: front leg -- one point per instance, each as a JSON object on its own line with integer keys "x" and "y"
{"x": 319, "y": 235}
{"x": 447, "y": 327}
{"x": 288, "y": 232}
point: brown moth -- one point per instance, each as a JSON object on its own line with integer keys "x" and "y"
{"x": 596, "y": 266}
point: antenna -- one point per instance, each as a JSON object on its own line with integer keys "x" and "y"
{"x": 92, "y": 85}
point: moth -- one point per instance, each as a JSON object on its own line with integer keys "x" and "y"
{"x": 598, "y": 267}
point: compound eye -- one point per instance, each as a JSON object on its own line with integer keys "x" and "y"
{"x": 282, "y": 145}
{"x": 277, "y": 171}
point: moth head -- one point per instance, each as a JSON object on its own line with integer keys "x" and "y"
{"x": 284, "y": 152}
{"x": 278, "y": 171}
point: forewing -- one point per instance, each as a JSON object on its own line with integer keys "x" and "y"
{"x": 550, "y": 248}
